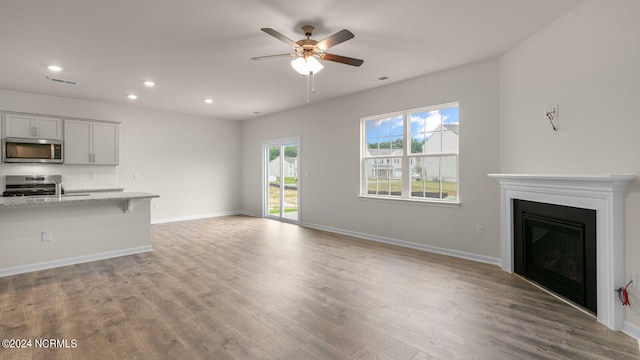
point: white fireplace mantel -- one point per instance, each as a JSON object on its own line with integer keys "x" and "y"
{"x": 602, "y": 193}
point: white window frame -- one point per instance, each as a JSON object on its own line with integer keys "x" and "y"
{"x": 406, "y": 155}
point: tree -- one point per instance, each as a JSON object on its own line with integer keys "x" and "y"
{"x": 416, "y": 146}
{"x": 395, "y": 144}
{"x": 291, "y": 151}
{"x": 274, "y": 152}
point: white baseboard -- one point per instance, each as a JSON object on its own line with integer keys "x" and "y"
{"x": 72, "y": 261}
{"x": 204, "y": 216}
{"x": 408, "y": 244}
{"x": 196, "y": 217}
{"x": 632, "y": 330}
{"x": 249, "y": 213}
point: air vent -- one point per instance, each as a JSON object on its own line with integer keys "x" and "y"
{"x": 380, "y": 78}
{"x": 62, "y": 81}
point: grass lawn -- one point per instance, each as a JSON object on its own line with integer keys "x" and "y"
{"x": 288, "y": 180}
{"x": 277, "y": 211}
{"x": 395, "y": 186}
{"x": 290, "y": 199}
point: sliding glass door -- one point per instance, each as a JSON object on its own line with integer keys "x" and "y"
{"x": 281, "y": 179}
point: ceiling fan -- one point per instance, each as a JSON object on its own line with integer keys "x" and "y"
{"x": 307, "y": 50}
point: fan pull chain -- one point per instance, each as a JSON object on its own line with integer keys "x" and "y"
{"x": 311, "y": 88}
{"x": 308, "y": 90}
{"x": 313, "y": 82}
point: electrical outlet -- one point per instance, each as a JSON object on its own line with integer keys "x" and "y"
{"x": 480, "y": 230}
{"x": 47, "y": 236}
{"x": 92, "y": 176}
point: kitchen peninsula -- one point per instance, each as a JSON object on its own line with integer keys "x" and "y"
{"x": 41, "y": 232}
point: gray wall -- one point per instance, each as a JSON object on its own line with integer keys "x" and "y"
{"x": 330, "y": 149}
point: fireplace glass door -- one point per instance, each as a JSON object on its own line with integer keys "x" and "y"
{"x": 555, "y": 246}
{"x": 554, "y": 255}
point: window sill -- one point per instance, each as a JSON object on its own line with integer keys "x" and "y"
{"x": 449, "y": 204}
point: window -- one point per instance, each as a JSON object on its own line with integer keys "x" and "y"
{"x": 411, "y": 154}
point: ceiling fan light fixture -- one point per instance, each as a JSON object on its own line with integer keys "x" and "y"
{"x": 307, "y": 66}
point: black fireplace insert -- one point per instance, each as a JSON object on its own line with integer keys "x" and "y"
{"x": 555, "y": 246}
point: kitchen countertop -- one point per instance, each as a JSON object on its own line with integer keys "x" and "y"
{"x": 73, "y": 198}
{"x": 73, "y": 191}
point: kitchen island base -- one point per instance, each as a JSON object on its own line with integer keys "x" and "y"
{"x": 35, "y": 237}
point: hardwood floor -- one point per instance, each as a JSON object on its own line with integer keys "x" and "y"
{"x": 246, "y": 288}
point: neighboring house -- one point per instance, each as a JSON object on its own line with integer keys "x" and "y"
{"x": 447, "y": 143}
{"x": 434, "y": 168}
{"x": 385, "y": 168}
{"x": 445, "y": 167}
{"x": 290, "y": 167}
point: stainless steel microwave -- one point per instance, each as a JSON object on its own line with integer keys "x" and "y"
{"x": 22, "y": 150}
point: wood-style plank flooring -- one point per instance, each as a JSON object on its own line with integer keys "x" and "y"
{"x": 247, "y": 288}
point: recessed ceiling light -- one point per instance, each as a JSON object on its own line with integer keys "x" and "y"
{"x": 132, "y": 96}
{"x": 208, "y": 100}
{"x": 55, "y": 68}
{"x": 149, "y": 83}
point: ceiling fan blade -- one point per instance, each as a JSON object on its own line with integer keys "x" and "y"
{"x": 281, "y": 37}
{"x": 341, "y": 59}
{"x": 335, "y": 39}
{"x": 273, "y": 56}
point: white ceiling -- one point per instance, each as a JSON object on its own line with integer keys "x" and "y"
{"x": 195, "y": 49}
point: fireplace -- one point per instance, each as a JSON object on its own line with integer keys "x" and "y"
{"x": 603, "y": 194}
{"x": 555, "y": 246}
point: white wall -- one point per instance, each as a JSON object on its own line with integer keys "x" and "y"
{"x": 588, "y": 62}
{"x": 330, "y": 149}
{"x": 191, "y": 162}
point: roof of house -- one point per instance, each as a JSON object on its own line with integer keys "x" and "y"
{"x": 452, "y": 127}
{"x": 385, "y": 152}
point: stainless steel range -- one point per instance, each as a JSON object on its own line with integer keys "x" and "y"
{"x": 32, "y": 185}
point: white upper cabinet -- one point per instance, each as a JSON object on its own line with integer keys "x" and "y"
{"x": 36, "y": 127}
{"x": 77, "y": 144}
{"x": 90, "y": 143}
{"x": 105, "y": 143}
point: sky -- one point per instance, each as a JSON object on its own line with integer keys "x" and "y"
{"x": 422, "y": 123}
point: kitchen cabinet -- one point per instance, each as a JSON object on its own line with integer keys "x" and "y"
{"x": 34, "y": 127}
{"x": 91, "y": 142}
